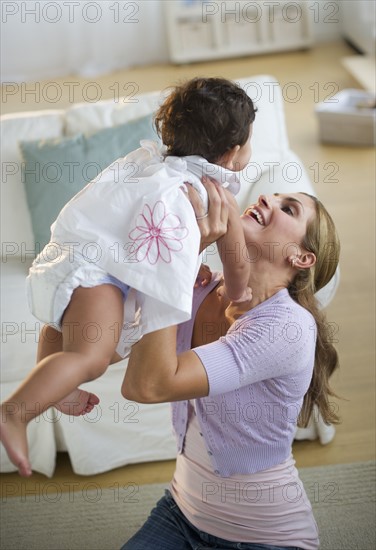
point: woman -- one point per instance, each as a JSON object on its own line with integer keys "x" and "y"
{"x": 237, "y": 399}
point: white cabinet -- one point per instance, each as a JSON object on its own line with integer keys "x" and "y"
{"x": 199, "y": 31}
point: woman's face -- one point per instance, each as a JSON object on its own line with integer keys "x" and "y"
{"x": 276, "y": 224}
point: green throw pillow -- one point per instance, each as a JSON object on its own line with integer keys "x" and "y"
{"x": 54, "y": 170}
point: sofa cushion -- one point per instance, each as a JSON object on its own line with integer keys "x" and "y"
{"x": 91, "y": 117}
{"x": 16, "y": 230}
{"x": 55, "y": 170}
{"x": 19, "y": 328}
{"x": 269, "y": 140}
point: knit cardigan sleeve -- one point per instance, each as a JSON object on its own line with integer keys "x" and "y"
{"x": 275, "y": 339}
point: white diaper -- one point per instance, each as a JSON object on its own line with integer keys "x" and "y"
{"x": 53, "y": 277}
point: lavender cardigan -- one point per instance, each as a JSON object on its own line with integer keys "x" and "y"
{"x": 258, "y": 374}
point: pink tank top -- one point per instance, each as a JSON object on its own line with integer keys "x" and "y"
{"x": 268, "y": 507}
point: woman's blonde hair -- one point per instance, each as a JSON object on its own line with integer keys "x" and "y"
{"x": 322, "y": 239}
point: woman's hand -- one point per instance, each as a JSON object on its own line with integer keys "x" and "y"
{"x": 213, "y": 223}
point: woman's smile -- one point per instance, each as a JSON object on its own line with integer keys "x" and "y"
{"x": 255, "y": 213}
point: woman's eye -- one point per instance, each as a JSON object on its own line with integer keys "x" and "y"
{"x": 288, "y": 210}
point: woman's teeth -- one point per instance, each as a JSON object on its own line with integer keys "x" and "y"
{"x": 258, "y": 216}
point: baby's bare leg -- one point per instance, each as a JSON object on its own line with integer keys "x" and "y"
{"x": 78, "y": 401}
{"x": 88, "y": 343}
{"x": 50, "y": 341}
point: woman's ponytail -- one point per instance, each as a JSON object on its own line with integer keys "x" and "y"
{"x": 321, "y": 239}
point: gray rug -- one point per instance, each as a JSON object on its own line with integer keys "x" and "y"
{"x": 342, "y": 496}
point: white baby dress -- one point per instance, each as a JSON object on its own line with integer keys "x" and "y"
{"x": 136, "y": 223}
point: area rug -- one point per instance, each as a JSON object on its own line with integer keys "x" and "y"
{"x": 342, "y": 497}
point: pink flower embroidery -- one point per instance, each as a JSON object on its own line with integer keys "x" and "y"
{"x": 157, "y": 234}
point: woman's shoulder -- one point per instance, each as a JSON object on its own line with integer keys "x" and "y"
{"x": 280, "y": 308}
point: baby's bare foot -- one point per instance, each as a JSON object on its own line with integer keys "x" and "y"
{"x": 77, "y": 402}
{"x": 13, "y": 437}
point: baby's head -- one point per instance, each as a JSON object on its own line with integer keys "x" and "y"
{"x": 210, "y": 117}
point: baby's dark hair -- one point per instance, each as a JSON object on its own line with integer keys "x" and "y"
{"x": 206, "y": 117}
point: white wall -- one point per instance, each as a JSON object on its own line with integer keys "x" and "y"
{"x": 359, "y": 24}
{"x": 46, "y": 39}
{"x": 326, "y": 19}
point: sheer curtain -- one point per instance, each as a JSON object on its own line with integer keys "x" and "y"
{"x": 43, "y": 39}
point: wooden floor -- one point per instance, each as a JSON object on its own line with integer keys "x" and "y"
{"x": 344, "y": 178}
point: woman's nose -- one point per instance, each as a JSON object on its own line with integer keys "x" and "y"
{"x": 264, "y": 200}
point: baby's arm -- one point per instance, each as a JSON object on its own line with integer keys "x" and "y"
{"x": 234, "y": 256}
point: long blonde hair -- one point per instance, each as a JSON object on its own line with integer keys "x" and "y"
{"x": 321, "y": 238}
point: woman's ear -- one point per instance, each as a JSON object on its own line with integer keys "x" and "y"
{"x": 303, "y": 261}
{"x": 227, "y": 160}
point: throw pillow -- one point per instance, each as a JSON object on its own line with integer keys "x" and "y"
{"x": 54, "y": 170}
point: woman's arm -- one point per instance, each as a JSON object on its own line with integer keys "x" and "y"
{"x": 212, "y": 224}
{"x": 233, "y": 253}
{"x": 222, "y": 224}
{"x": 156, "y": 374}
{"x": 256, "y": 348}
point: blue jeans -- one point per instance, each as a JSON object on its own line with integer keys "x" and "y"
{"x": 168, "y": 529}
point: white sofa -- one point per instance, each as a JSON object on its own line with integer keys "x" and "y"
{"x": 119, "y": 432}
